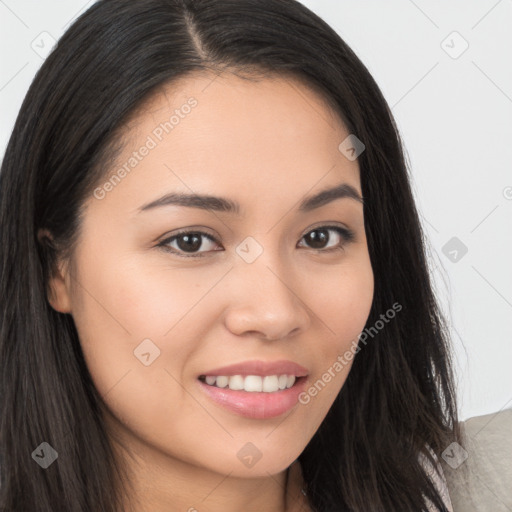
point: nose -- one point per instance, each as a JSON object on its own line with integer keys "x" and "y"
{"x": 266, "y": 301}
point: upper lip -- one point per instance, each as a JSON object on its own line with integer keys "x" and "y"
{"x": 262, "y": 368}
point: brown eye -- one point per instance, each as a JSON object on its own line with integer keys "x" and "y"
{"x": 319, "y": 237}
{"x": 187, "y": 242}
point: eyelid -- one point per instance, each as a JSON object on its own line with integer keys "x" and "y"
{"x": 328, "y": 225}
{"x": 163, "y": 244}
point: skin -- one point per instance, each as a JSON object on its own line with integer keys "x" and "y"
{"x": 267, "y": 145}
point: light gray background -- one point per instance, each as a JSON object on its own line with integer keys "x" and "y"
{"x": 454, "y": 111}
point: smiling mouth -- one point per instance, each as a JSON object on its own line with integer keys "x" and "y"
{"x": 252, "y": 383}
{"x": 257, "y": 397}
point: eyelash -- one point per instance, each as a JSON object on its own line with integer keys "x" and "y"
{"x": 347, "y": 235}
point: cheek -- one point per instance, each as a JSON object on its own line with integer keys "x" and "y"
{"x": 126, "y": 319}
{"x": 343, "y": 303}
{"x": 132, "y": 300}
{"x": 342, "y": 307}
{"x": 127, "y": 315}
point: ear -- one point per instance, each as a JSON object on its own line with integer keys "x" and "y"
{"x": 58, "y": 282}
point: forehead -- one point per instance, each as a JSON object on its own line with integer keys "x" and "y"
{"x": 206, "y": 133}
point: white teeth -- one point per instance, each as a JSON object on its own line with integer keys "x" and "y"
{"x": 271, "y": 383}
{"x": 252, "y": 383}
{"x": 236, "y": 382}
{"x": 222, "y": 381}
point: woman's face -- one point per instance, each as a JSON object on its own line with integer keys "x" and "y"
{"x": 275, "y": 283}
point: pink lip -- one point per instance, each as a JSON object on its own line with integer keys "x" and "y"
{"x": 256, "y": 405}
{"x": 261, "y": 368}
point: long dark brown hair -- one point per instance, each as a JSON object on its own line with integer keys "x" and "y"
{"x": 399, "y": 397}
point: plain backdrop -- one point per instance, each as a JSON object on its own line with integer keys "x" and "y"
{"x": 445, "y": 70}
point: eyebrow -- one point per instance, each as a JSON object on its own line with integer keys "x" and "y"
{"x": 220, "y": 204}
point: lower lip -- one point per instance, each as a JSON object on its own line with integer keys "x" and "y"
{"x": 256, "y": 405}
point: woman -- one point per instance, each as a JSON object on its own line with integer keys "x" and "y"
{"x": 214, "y": 286}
